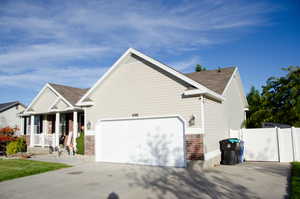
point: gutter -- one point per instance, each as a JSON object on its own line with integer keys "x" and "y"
{"x": 84, "y": 104}
{"x": 204, "y": 92}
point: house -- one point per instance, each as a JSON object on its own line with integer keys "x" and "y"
{"x": 53, "y": 114}
{"x": 143, "y": 111}
{"x": 9, "y": 115}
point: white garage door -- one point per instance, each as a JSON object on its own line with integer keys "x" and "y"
{"x": 150, "y": 141}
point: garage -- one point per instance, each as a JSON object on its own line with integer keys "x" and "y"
{"x": 156, "y": 141}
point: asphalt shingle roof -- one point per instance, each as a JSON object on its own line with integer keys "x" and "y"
{"x": 214, "y": 80}
{"x": 71, "y": 94}
{"x": 8, "y": 105}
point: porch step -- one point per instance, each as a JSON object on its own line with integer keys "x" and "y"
{"x": 38, "y": 150}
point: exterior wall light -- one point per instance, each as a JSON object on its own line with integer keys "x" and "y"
{"x": 88, "y": 125}
{"x": 192, "y": 120}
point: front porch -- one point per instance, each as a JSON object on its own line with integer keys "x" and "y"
{"x": 54, "y": 130}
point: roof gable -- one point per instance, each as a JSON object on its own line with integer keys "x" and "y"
{"x": 71, "y": 94}
{"x": 162, "y": 66}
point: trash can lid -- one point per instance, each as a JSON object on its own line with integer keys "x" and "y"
{"x": 233, "y": 140}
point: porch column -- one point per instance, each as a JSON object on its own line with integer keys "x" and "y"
{"x": 57, "y": 129}
{"x": 75, "y": 128}
{"x": 32, "y": 131}
{"x": 44, "y": 130}
{"x": 22, "y": 125}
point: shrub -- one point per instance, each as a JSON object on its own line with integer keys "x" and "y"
{"x": 4, "y": 140}
{"x": 80, "y": 144}
{"x": 16, "y": 146}
{"x": 7, "y": 131}
{"x": 11, "y": 148}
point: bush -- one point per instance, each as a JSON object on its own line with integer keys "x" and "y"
{"x": 4, "y": 140}
{"x": 16, "y": 146}
{"x": 80, "y": 144}
{"x": 7, "y": 131}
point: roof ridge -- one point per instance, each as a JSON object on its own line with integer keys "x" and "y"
{"x": 228, "y": 67}
{"x": 67, "y": 86}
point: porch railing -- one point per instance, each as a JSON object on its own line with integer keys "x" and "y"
{"x": 49, "y": 140}
{"x": 44, "y": 139}
{"x": 38, "y": 139}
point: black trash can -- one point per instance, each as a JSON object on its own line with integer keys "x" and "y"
{"x": 230, "y": 151}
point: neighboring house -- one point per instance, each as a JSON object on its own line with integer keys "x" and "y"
{"x": 9, "y": 115}
{"x": 142, "y": 111}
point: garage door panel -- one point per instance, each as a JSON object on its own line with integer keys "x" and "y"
{"x": 152, "y": 141}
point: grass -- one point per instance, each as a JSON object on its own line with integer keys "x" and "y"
{"x": 16, "y": 168}
{"x": 295, "y": 181}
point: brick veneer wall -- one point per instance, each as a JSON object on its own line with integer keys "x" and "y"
{"x": 27, "y": 139}
{"x": 194, "y": 147}
{"x": 89, "y": 145}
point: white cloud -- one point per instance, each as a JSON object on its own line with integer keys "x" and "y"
{"x": 142, "y": 24}
{"x": 30, "y": 57}
{"x": 183, "y": 65}
{"x": 37, "y": 40}
{"x": 73, "y": 76}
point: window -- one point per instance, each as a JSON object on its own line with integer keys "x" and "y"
{"x": 63, "y": 123}
{"x": 38, "y": 123}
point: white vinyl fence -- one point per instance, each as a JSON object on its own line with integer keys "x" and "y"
{"x": 270, "y": 144}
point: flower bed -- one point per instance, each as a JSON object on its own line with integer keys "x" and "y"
{"x": 4, "y": 140}
{"x": 7, "y": 131}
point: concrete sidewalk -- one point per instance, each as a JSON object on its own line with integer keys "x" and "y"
{"x": 98, "y": 180}
{"x": 66, "y": 159}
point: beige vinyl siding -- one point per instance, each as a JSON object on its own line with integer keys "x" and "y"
{"x": 215, "y": 125}
{"x": 45, "y": 100}
{"x": 221, "y": 117}
{"x": 234, "y": 105}
{"x": 137, "y": 87}
{"x": 61, "y": 105}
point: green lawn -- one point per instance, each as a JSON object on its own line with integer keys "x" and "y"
{"x": 295, "y": 181}
{"x": 10, "y": 169}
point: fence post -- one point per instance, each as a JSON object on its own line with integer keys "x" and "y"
{"x": 278, "y": 147}
{"x": 293, "y": 143}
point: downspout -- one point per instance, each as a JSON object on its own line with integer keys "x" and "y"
{"x": 202, "y": 112}
{"x": 202, "y": 123}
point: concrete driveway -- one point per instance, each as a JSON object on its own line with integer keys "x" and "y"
{"x": 116, "y": 181}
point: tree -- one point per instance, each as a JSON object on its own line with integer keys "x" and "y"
{"x": 279, "y": 101}
{"x": 199, "y": 68}
{"x": 282, "y": 97}
{"x": 257, "y": 112}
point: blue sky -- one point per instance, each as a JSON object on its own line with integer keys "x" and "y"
{"x": 74, "y": 43}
